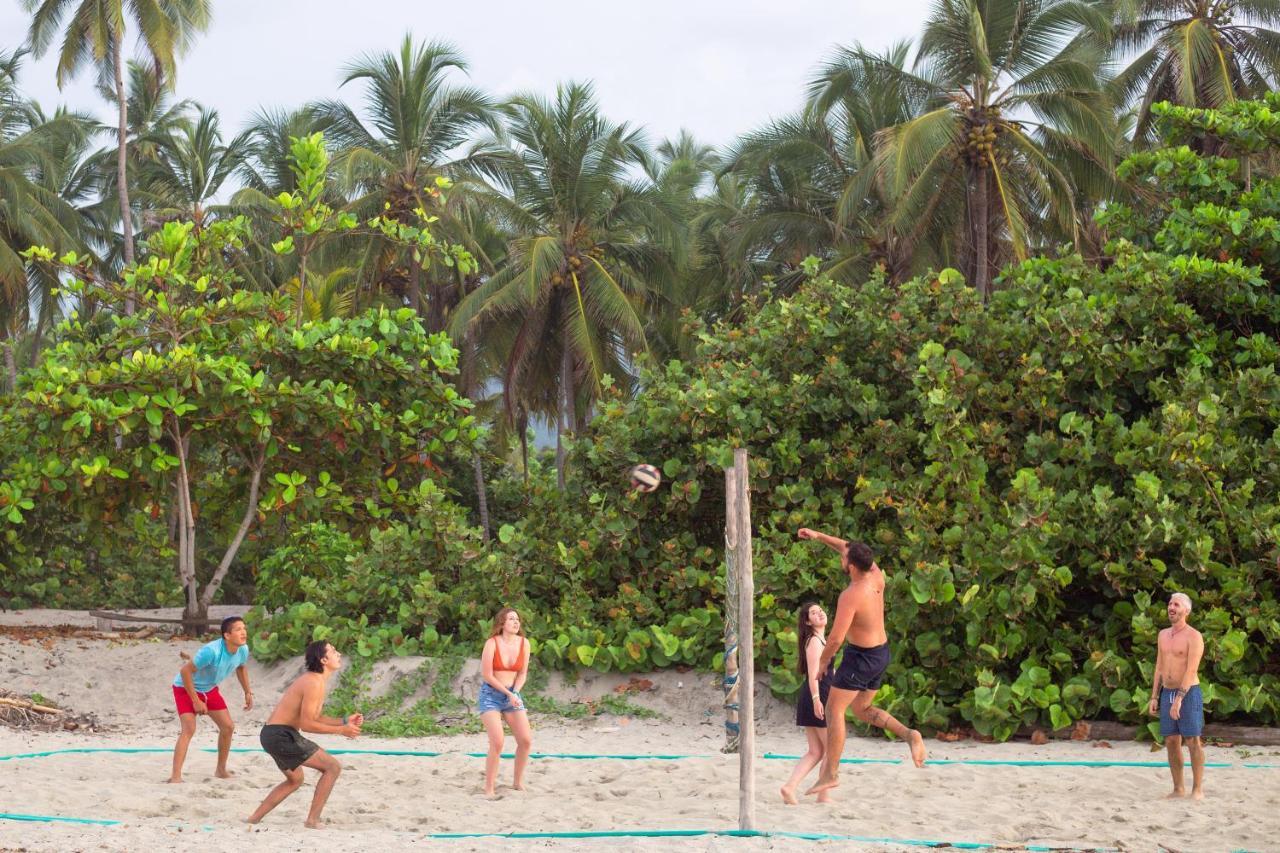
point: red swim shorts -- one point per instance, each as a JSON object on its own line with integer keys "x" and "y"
{"x": 213, "y": 700}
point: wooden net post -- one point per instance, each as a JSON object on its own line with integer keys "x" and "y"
{"x": 730, "y": 682}
{"x": 746, "y": 644}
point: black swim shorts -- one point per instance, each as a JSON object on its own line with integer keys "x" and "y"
{"x": 860, "y": 668}
{"x": 286, "y": 745}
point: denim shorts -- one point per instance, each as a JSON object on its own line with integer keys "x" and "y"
{"x": 494, "y": 700}
{"x": 1190, "y": 722}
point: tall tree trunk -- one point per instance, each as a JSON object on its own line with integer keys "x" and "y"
{"x": 482, "y": 496}
{"x": 37, "y": 339}
{"x": 523, "y": 424}
{"x": 564, "y": 423}
{"x": 415, "y": 287}
{"x": 10, "y": 364}
{"x": 469, "y": 371}
{"x": 250, "y": 515}
{"x": 435, "y": 308}
{"x": 193, "y": 614}
{"x": 302, "y": 286}
{"x": 981, "y": 230}
{"x": 122, "y": 150}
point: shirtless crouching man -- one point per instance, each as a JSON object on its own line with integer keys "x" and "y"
{"x": 859, "y": 621}
{"x": 1175, "y": 695}
{"x": 299, "y": 709}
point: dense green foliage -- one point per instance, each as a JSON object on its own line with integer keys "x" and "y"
{"x": 1036, "y": 477}
{"x": 1038, "y": 458}
{"x": 207, "y": 405}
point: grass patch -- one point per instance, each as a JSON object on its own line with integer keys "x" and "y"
{"x": 610, "y": 703}
{"x": 443, "y": 712}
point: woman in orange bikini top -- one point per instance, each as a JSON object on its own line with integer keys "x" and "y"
{"x": 504, "y": 668}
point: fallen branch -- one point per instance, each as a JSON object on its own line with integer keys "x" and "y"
{"x": 28, "y": 705}
{"x": 125, "y": 617}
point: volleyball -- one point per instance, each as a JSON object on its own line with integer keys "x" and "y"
{"x": 645, "y": 477}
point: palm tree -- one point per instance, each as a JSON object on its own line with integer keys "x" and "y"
{"x": 152, "y": 116}
{"x": 31, "y": 210}
{"x": 1014, "y": 107}
{"x": 685, "y": 174}
{"x": 1198, "y": 53}
{"x": 567, "y": 306}
{"x": 95, "y": 35}
{"x": 265, "y": 171}
{"x": 812, "y": 175}
{"x": 417, "y": 121}
{"x": 69, "y": 171}
{"x": 188, "y": 168}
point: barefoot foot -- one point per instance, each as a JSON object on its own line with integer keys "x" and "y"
{"x": 823, "y": 784}
{"x": 173, "y": 780}
{"x": 224, "y": 774}
{"x": 916, "y": 741}
{"x": 788, "y": 795}
{"x": 314, "y": 824}
{"x": 1175, "y": 794}
{"x": 1197, "y": 794}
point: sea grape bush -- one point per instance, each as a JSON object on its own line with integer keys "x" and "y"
{"x": 1035, "y": 474}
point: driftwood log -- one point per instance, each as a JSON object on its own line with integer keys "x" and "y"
{"x": 27, "y": 705}
{"x": 124, "y": 617}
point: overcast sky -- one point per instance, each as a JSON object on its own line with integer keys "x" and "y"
{"x": 716, "y": 67}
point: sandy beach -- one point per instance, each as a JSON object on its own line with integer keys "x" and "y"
{"x": 399, "y": 802}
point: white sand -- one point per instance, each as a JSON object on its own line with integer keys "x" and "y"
{"x": 393, "y": 803}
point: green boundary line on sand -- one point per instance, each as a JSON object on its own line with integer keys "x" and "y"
{"x": 645, "y": 833}
{"x": 983, "y": 762}
{"x": 580, "y": 756}
{"x": 33, "y": 818}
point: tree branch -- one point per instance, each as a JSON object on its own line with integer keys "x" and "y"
{"x": 251, "y": 511}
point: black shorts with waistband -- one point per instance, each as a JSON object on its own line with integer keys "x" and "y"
{"x": 861, "y": 668}
{"x": 287, "y": 746}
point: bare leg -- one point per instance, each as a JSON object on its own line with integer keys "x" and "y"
{"x": 493, "y": 727}
{"x": 837, "y": 701}
{"x": 329, "y": 769}
{"x": 292, "y": 782}
{"x": 1173, "y": 743}
{"x": 185, "y": 734}
{"x": 226, "y": 728}
{"x": 1196, "y": 746}
{"x": 865, "y": 711}
{"x": 823, "y": 796}
{"x": 811, "y": 759}
{"x": 518, "y": 721}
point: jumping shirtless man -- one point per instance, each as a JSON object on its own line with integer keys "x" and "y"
{"x": 300, "y": 708}
{"x": 859, "y": 622}
{"x": 1175, "y": 695}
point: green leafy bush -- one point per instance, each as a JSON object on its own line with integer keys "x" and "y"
{"x": 386, "y": 597}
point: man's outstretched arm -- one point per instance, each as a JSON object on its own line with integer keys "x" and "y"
{"x": 832, "y": 542}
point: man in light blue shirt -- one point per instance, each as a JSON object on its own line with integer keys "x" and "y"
{"x": 195, "y": 691}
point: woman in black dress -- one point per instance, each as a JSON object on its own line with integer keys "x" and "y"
{"x": 810, "y": 633}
